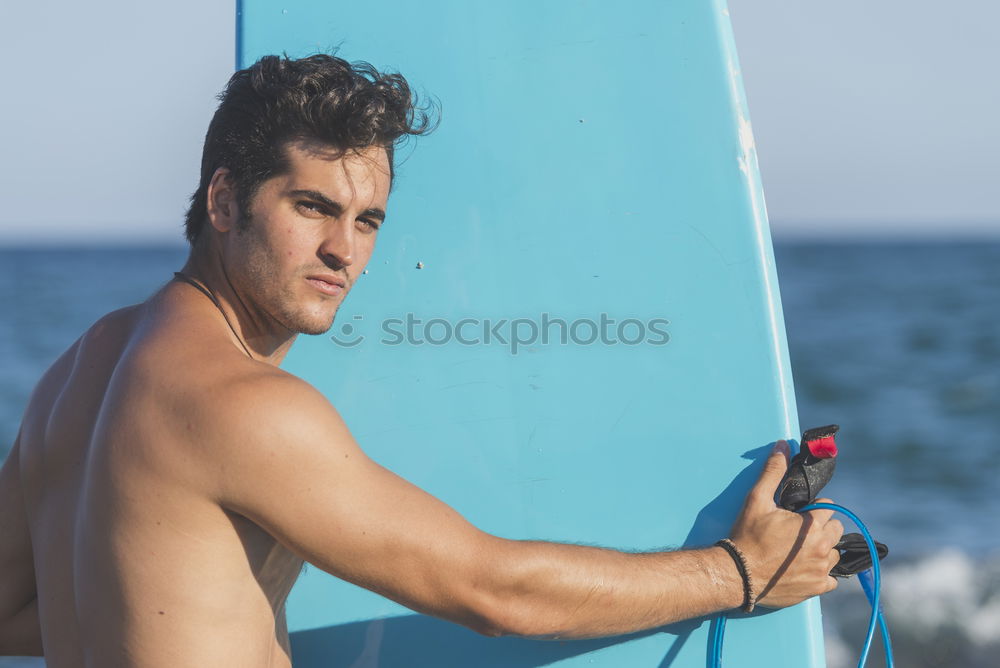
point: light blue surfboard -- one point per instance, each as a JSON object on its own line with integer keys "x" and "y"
{"x": 593, "y": 179}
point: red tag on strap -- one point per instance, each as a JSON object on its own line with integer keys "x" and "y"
{"x": 823, "y": 447}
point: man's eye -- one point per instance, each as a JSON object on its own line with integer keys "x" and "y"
{"x": 368, "y": 225}
{"x": 310, "y": 207}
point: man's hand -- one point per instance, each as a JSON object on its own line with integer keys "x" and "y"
{"x": 789, "y": 555}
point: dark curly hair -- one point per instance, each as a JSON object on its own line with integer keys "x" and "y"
{"x": 349, "y": 106}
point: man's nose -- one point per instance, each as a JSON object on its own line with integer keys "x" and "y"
{"x": 338, "y": 244}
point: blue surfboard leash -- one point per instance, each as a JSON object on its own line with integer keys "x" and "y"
{"x": 808, "y": 472}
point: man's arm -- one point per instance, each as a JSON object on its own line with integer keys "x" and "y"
{"x": 20, "y": 633}
{"x": 285, "y": 460}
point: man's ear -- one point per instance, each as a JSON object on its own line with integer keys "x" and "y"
{"x": 223, "y": 211}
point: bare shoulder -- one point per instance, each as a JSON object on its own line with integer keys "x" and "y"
{"x": 269, "y": 402}
{"x": 113, "y": 326}
{"x": 264, "y": 422}
{"x": 104, "y": 336}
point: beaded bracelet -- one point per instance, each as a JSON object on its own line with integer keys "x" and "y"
{"x": 749, "y": 598}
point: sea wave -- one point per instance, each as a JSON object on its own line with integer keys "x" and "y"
{"x": 943, "y": 611}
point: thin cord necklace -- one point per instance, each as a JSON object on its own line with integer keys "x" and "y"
{"x": 208, "y": 293}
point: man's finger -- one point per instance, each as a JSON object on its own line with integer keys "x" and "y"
{"x": 822, "y": 515}
{"x": 774, "y": 470}
{"x": 834, "y": 530}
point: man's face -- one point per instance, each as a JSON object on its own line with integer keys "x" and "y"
{"x": 310, "y": 233}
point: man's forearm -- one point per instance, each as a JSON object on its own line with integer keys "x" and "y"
{"x": 553, "y": 590}
{"x": 21, "y": 634}
{"x": 571, "y": 591}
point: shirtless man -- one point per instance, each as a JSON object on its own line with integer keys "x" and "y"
{"x": 169, "y": 480}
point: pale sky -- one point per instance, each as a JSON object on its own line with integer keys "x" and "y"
{"x": 871, "y": 117}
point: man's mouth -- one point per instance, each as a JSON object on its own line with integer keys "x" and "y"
{"x": 328, "y": 284}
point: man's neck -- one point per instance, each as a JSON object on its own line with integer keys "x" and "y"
{"x": 266, "y": 339}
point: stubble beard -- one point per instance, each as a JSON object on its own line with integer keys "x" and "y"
{"x": 274, "y": 298}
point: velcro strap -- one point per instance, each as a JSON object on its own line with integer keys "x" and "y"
{"x": 855, "y": 556}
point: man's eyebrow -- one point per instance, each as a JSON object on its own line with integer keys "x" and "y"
{"x": 374, "y": 212}
{"x": 334, "y": 206}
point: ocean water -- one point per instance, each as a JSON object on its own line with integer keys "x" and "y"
{"x": 899, "y": 343}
